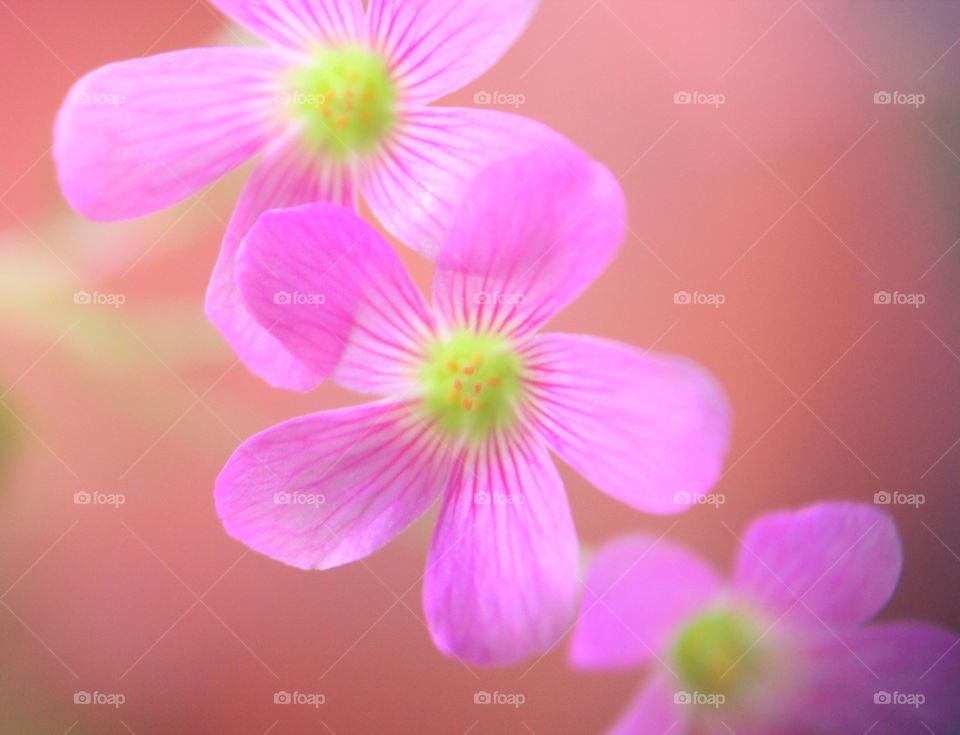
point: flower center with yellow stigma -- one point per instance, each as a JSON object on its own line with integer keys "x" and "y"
{"x": 718, "y": 653}
{"x": 472, "y": 383}
{"x": 345, "y": 100}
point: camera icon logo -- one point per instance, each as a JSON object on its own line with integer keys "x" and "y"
{"x": 882, "y": 498}
{"x": 883, "y": 98}
{"x": 882, "y": 698}
{"x": 83, "y": 298}
{"x": 482, "y": 698}
{"x": 682, "y": 98}
{"x": 82, "y": 498}
{"x": 482, "y": 498}
{"x": 282, "y": 298}
{"x": 282, "y": 698}
{"x": 82, "y": 698}
{"x": 682, "y": 698}
{"x": 683, "y": 298}
{"x": 883, "y": 297}
{"x": 482, "y": 98}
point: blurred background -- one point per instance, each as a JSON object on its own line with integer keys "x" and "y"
{"x": 788, "y": 164}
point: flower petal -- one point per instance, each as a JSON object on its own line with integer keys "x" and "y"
{"x": 502, "y": 576}
{"x": 416, "y": 185}
{"x": 534, "y": 231}
{"x": 900, "y": 678}
{"x": 140, "y": 135}
{"x": 837, "y": 561}
{"x": 284, "y": 178}
{"x": 651, "y": 430}
{"x": 437, "y": 46}
{"x": 327, "y": 489}
{"x": 637, "y": 591}
{"x": 652, "y": 711}
{"x": 331, "y": 290}
{"x": 299, "y": 24}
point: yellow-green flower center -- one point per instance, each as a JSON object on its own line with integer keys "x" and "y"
{"x": 719, "y": 652}
{"x": 472, "y": 383}
{"x": 344, "y": 99}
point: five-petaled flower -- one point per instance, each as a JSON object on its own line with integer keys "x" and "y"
{"x": 473, "y": 397}
{"x": 338, "y": 107}
{"x": 783, "y": 648}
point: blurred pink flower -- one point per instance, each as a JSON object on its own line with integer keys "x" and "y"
{"x": 474, "y": 399}
{"x": 337, "y": 106}
{"x": 782, "y": 649}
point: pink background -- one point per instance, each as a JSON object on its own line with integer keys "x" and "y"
{"x": 797, "y": 199}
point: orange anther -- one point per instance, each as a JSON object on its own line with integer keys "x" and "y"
{"x": 478, "y": 387}
{"x": 457, "y": 385}
{"x": 494, "y": 380}
{"x": 452, "y": 366}
{"x": 342, "y": 122}
{"x": 467, "y": 404}
{"x": 469, "y": 370}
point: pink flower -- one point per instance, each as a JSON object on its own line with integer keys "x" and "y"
{"x": 785, "y": 647}
{"x": 473, "y": 400}
{"x": 336, "y": 107}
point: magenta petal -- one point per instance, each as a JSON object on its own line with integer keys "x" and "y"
{"x": 534, "y": 231}
{"x": 299, "y": 23}
{"x": 140, "y": 135}
{"x": 502, "y": 575}
{"x": 285, "y": 178}
{"x": 903, "y": 676}
{"x": 331, "y": 290}
{"x": 839, "y": 562}
{"x": 327, "y": 489}
{"x": 651, "y": 430}
{"x": 437, "y": 46}
{"x": 652, "y": 711}
{"x": 418, "y": 182}
{"x": 637, "y": 591}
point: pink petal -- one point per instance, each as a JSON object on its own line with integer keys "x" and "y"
{"x": 437, "y": 46}
{"x": 651, "y": 430}
{"x": 534, "y": 231}
{"x": 839, "y": 562}
{"x": 502, "y": 578}
{"x": 416, "y": 185}
{"x": 652, "y": 711}
{"x": 331, "y": 290}
{"x": 901, "y": 660}
{"x": 284, "y": 178}
{"x": 327, "y": 489}
{"x": 137, "y": 136}
{"x": 299, "y": 23}
{"x": 637, "y": 591}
